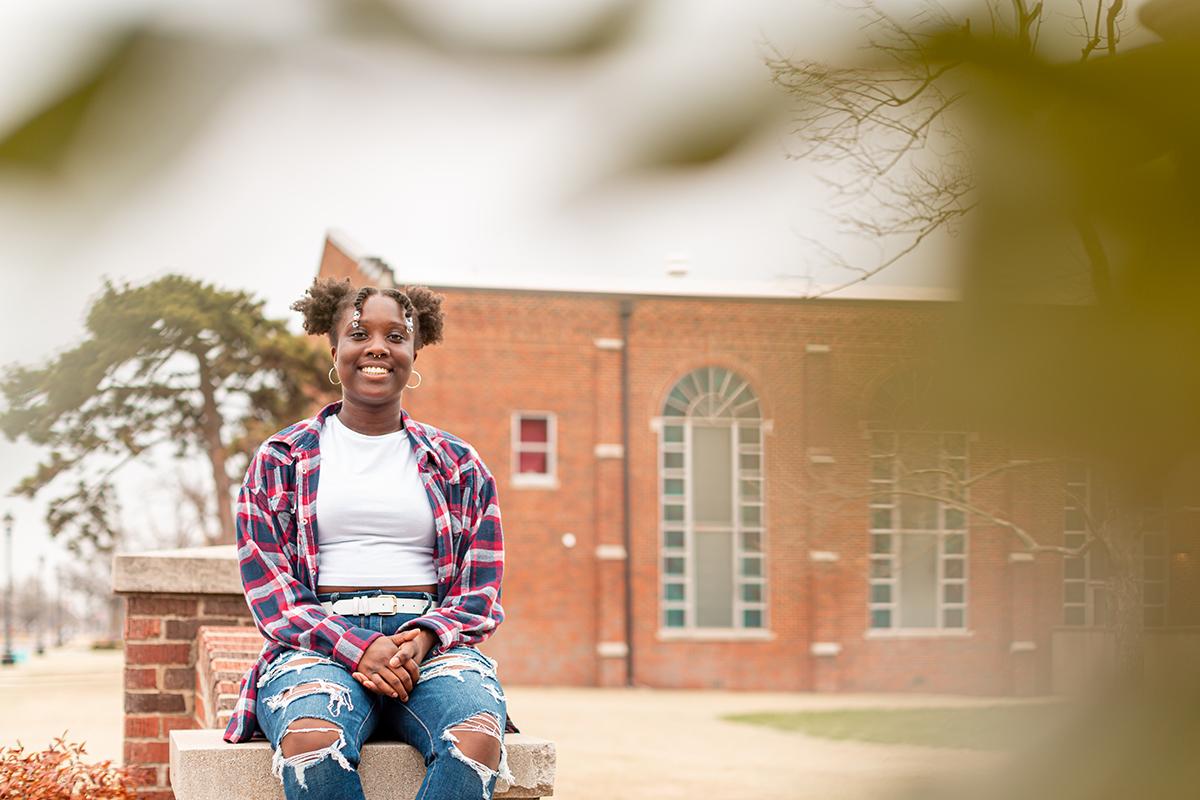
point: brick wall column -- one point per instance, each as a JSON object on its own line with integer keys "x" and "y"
{"x": 825, "y": 635}
{"x": 168, "y": 596}
{"x": 1022, "y": 592}
{"x": 826, "y": 645}
{"x": 611, "y": 647}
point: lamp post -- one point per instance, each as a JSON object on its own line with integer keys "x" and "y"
{"x": 40, "y": 620}
{"x": 8, "y": 657}
{"x": 58, "y": 606}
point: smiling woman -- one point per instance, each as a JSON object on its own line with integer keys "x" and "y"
{"x": 373, "y": 356}
{"x": 409, "y": 555}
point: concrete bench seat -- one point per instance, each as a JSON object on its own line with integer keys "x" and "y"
{"x": 203, "y": 767}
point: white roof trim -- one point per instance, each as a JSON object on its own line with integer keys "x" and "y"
{"x": 342, "y": 241}
{"x": 664, "y": 285}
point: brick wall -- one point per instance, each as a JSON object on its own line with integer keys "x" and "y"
{"x": 160, "y": 675}
{"x": 532, "y": 353}
{"x": 817, "y": 368}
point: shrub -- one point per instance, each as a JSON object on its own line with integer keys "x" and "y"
{"x": 59, "y": 773}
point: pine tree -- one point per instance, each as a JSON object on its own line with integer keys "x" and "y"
{"x": 176, "y": 363}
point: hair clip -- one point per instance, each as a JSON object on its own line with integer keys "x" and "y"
{"x": 408, "y": 323}
{"x": 354, "y": 319}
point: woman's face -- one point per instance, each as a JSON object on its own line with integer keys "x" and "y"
{"x": 375, "y": 357}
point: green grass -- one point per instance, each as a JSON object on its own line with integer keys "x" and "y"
{"x": 982, "y": 728}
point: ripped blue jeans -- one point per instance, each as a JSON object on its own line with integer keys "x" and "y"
{"x": 457, "y": 692}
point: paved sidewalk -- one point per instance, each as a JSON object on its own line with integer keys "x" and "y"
{"x": 618, "y": 744}
{"x": 73, "y": 689}
{"x": 613, "y": 744}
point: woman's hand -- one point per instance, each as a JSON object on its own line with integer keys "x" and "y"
{"x": 375, "y": 671}
{"x": 409, "y": 650}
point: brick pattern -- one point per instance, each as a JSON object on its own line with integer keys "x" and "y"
{"x": 224, "y": 654}
{"x": 161, "y": 675}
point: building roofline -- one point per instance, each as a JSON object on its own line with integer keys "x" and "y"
{"x": 373, "y": 267}
{"x": 341, "y": 241}
{"x": 665, "y": 288}
{"x": 651, "y": 294}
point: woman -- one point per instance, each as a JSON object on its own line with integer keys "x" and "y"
{"x": 372, "y": 592}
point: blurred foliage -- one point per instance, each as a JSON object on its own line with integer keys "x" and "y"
{"x": 43, "y": 140}
{"x": 159, "y": 78}
{"x": 1080, "y": 276}
{"x": 599, "y": 28}
{"x": 60, "y": 773}
{"x": 159, "y": 75}
{"x": 176, "y": 363}
{"x": 1125, "y": 746}
{"x": 1072, "y": 171}
{"x": 1077, "y": 176}
{"x": 133, "y": 107}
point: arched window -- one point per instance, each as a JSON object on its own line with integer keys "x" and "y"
{"x": 711, "y": 490}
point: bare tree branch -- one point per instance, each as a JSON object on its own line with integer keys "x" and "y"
{"x": 1111, "y": 25}
{"x": 953, "y": 495}
{"x": 900, "y": 163}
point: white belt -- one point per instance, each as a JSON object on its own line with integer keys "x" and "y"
{"x": 380, "y": 604}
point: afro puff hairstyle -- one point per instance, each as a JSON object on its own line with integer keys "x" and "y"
{"x": 328, "y": 299}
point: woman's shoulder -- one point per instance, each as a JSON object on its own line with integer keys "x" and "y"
{"x": 301, "y": 435}
{"x": 281, "y": 450}
{"x": 454, "y": 453}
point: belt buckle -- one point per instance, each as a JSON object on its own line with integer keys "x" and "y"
{"x": 395, "y": 604}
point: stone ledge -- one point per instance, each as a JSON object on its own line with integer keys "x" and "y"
{"x": 192, "y": 570}
{"x": 203, "y": 767}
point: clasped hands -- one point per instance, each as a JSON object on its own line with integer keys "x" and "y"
{"x": 391, "y": 664}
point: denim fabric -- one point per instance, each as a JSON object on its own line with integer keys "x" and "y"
{"x": 456, "y": 686}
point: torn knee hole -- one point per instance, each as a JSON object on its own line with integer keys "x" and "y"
{"x": 452, "y": 664}
{"x": 287, "y": 665}
{"x": 303, "y": 661}
{"x": 307, "y": 735}
{"x": 477, "y": 740}
{"x": 478, "y": 747}
{"x": 339, "y": 695}
{"x": 306, "y": 742}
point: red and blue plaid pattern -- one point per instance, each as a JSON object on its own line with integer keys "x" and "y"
{"x": 277, "y": 551}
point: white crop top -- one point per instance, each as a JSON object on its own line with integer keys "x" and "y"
{"x": 374, "y": 522}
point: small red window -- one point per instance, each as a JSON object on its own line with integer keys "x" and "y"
{"x": 533, "y": 462}
{"x": 535, "y": 430}
{"x": 533, "y": 445}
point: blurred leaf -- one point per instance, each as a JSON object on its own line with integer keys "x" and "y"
{"x": 596, "y": 31}
{"x": 43, "y": 140}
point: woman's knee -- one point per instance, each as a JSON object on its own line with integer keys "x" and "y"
{"x": 312, "y": 743}
{"x": 476, "y": 740}
{"x": 309, "y": 735}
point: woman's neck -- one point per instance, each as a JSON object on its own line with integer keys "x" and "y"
{"x": 371, "y": 420}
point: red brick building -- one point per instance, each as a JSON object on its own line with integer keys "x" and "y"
{"x": 686, "y": 488}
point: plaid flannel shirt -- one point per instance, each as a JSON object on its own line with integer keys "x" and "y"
{"x": 277, "y": 551}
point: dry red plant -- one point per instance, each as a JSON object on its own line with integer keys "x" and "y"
{"x": 59, "y": 773}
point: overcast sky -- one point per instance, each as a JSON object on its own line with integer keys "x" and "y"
{"x": 259, "y": 127}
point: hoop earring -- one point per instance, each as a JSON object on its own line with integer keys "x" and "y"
{"x": 333, "y": 374}
{"x": 418, "y": 383}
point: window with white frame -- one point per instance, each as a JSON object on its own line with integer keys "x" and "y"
{"x": 1085, "y": 576}
{"x": 533, "y": 448}
{"x": 1154, "y": 578}
{"x": 918, "y": 548}
{"x": 1085, "y": 598}
{"x": 713, "y": 524}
